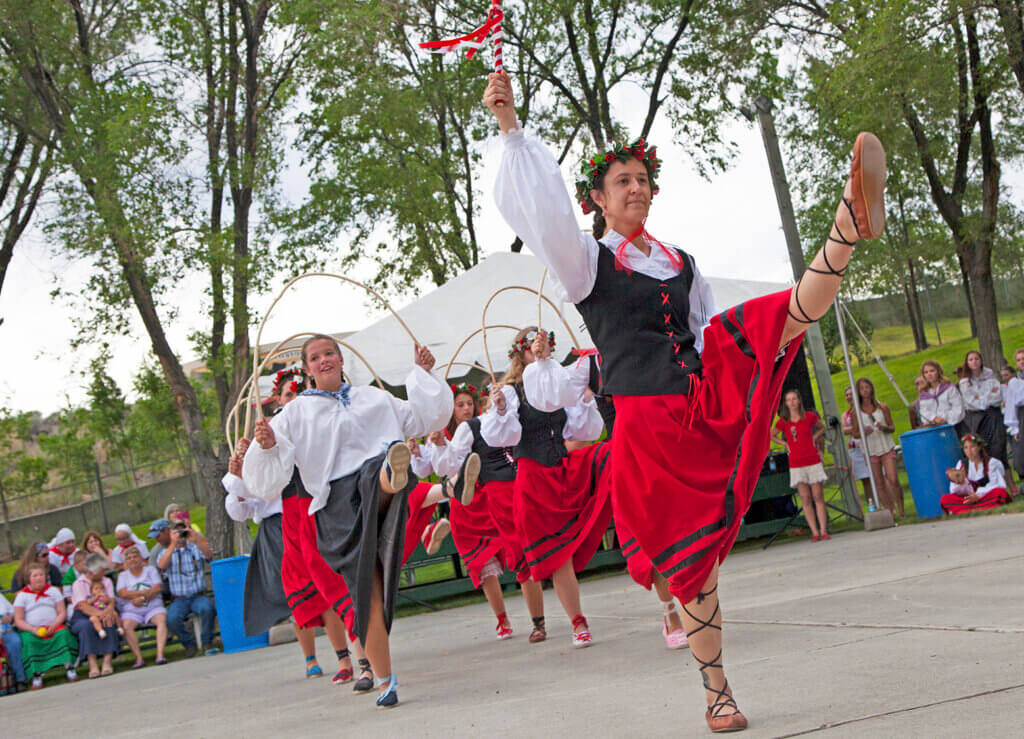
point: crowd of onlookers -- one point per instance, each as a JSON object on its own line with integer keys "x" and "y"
{"x": 986, "y": 409}
{"x": 72, "y": 602}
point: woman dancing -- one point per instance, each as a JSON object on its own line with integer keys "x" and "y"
{"x": 485, "y": 548}
{"x": 683, "y": 388}
{"x": 561, "y": 503}
{"x": 348, "y": 445}
{"x": 315, "y": 594}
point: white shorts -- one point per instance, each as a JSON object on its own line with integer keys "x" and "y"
{"x": 810, "y": 474}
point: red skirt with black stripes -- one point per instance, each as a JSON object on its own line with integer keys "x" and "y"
{"x": 638, "y": 564}
{"x": 315, "y": 587}
{"x": 418, "y": 520}
{"x": 475, "y": 535}
{"x": 500, "y": 497}
{"x": 562, "y": 512}
{"x": 684, "y": 466}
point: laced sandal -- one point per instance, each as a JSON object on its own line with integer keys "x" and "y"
{"x": 397, "y": 463}
{"x": 389, "y": 697}
{"x": 866, "y": 205}
{"x": 365, "y": 682}
{"x": 581, "y": 639}
{"x": 435, "y": 534}
{"x": 313, "y": 670}
{"x": 344, "y": 674}
{"x": 718, "y": 721}
{"x": 677, "y": 638}
{"x": 539, "y": 633}
{"x": 504, "y": 628}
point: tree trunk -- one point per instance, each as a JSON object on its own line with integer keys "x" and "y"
{"x": 1013, "y": 33}
{"x": 965, "y": 283}
{"x": 914, "y": 308}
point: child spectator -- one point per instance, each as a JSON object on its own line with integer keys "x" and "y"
{"x": 100, "y": 601}
{"x": 1013, "y": 411}
{"x": 940, "y": 403}
{"x": 982, "y": 485}
{"x": 72, "y": 574}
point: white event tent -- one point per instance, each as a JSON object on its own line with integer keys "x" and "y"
{"x": 446, "y": 316}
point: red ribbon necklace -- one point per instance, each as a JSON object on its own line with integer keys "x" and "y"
{"x": 620, "y": 258}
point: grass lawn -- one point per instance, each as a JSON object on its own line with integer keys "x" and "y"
{"x": 894, "y": 341}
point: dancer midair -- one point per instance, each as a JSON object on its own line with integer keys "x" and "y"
{"x": 315, "y": 594}
{"x": 683, "y": 388}
{"x": 348, "y": 445}
{"x": 561, "y": 502}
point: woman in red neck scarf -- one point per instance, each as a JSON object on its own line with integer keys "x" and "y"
{"x": 45, "y": 640}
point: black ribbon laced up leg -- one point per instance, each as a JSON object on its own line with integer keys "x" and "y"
{"x": 722, "y": 698}
{"x": 831, "y": 271}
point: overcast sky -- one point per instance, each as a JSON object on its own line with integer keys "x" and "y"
{"x": 730, "y": 225}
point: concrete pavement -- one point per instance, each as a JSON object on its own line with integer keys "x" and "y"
{"x": 912, "y": 631}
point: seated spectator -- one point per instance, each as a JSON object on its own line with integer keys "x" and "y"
{"x": 139, "y": 587}
{"x": 183, "y": 562}
{"x": 72, "y": 574}
{"x": 12, "y": 642}
{"x": 36, "y": 552}
{"x": 62, "y": 549}
{"x": 92, "y": 543}
{"x": 175, "y": 514}
{"x": 89, "y": 620}
{"x": 40, "y": 615}
{"x": 160, "y": 530}
{"x": 126, "y": 539}
{"x": 983, "y": 486}
{"x": 940, "y": 402}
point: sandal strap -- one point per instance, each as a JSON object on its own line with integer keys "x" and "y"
{"x": 342, "y": 653}
{"x": 364, "y": 665}
{"x": 579, "y": 620}
{"x": 392, "y": 683}
{"x": 311, "y": 658}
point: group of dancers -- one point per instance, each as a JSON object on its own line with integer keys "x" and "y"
{"x": 690, "y": 394}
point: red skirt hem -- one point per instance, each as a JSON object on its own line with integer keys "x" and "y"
{"x": 418, "y": 519}
{"x": 953, "y": 503}
{"x": 304, "y": 600}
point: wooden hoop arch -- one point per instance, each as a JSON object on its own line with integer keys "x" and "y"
{"x": 466, "y": 341}
{"x": 540, "y": 296}
{"x": 263, "y": 323}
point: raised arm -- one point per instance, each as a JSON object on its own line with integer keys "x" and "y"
{"x": 270, "y": 462}
{"x": 500, "y": 424}
{"x": 430, "y": 400}
{"x": 532, "y": 198}
{"x": 548, "y": 385}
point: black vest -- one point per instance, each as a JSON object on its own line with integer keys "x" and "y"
{"x": 542, "y": 439}
{"x": 605, "y": 406}
{"x": 640, "y": 326}
{"x": 495, "y": 462}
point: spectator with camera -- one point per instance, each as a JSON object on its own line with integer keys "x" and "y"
{"x": 182, "y": 561}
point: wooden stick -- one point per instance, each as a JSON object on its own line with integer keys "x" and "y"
{"x": 466, "y": 341}
{"x": 483, "y": 320}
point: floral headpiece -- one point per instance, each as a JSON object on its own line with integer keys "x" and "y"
{"x": 599, "y": 164}
{"x": 465, "y": 387}
{"x": 525, "y": 342}
{"x": 297, "y": 377}
{"x": 974, "y": 439}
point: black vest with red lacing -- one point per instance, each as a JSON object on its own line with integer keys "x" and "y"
{"x": 496, "y": 463}
{"x": 605, "y": 406}
{"x": 640, "y": 326}
{"x": 542, "y": 439}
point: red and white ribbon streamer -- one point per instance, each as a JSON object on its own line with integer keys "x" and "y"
{"x": 475, "y": 39}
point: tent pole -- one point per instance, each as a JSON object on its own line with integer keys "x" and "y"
{"x": 881, "y": 363}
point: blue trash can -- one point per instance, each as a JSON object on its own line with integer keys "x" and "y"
{"x": 229, "y": 589}
{"x": 927, "y": 454}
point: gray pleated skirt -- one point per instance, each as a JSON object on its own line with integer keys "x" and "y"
{"x": 355, "y": 538}
{"x": 264, "y": 601}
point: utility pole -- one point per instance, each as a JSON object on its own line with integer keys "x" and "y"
{"x": 763, "y": 113}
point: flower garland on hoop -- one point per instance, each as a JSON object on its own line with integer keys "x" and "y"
{"x": 526, "y": 342}
{"x": 620, "y": 151}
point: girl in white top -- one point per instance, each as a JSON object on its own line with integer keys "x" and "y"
{"x": 1013, "y": 410}
{"x": 985, "y": 476}
{"x": 348, "y": 445}
{"x": 983, "y": 401}
{"x": 881, "y": 449}
{"x": 940, "y": 403}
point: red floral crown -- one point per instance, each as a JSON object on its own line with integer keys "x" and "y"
{"x": 526, "y": 341}
{"x": 598, "y": 164}
{"x": 297, "y": 376}
{"x": 465, "y": 387}
{"x": 974, "y": 439}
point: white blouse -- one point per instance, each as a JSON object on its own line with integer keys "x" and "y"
{"x": 117, "y": 553}
{"x": 41, "y": 611}
{"x": 248, "y": 507}
{"x": 1013, "y": 396}
{"x": 982, "y": 393}
{"x": 448, "y": 458}
{"x": 946, "y": 404}
{"x": 976, "y": 471}
{"x": 327, "y": 440}
{"x": 423, "y": 465}
{"x": 532, "y": 197}
{"x": 583, "y": 422}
